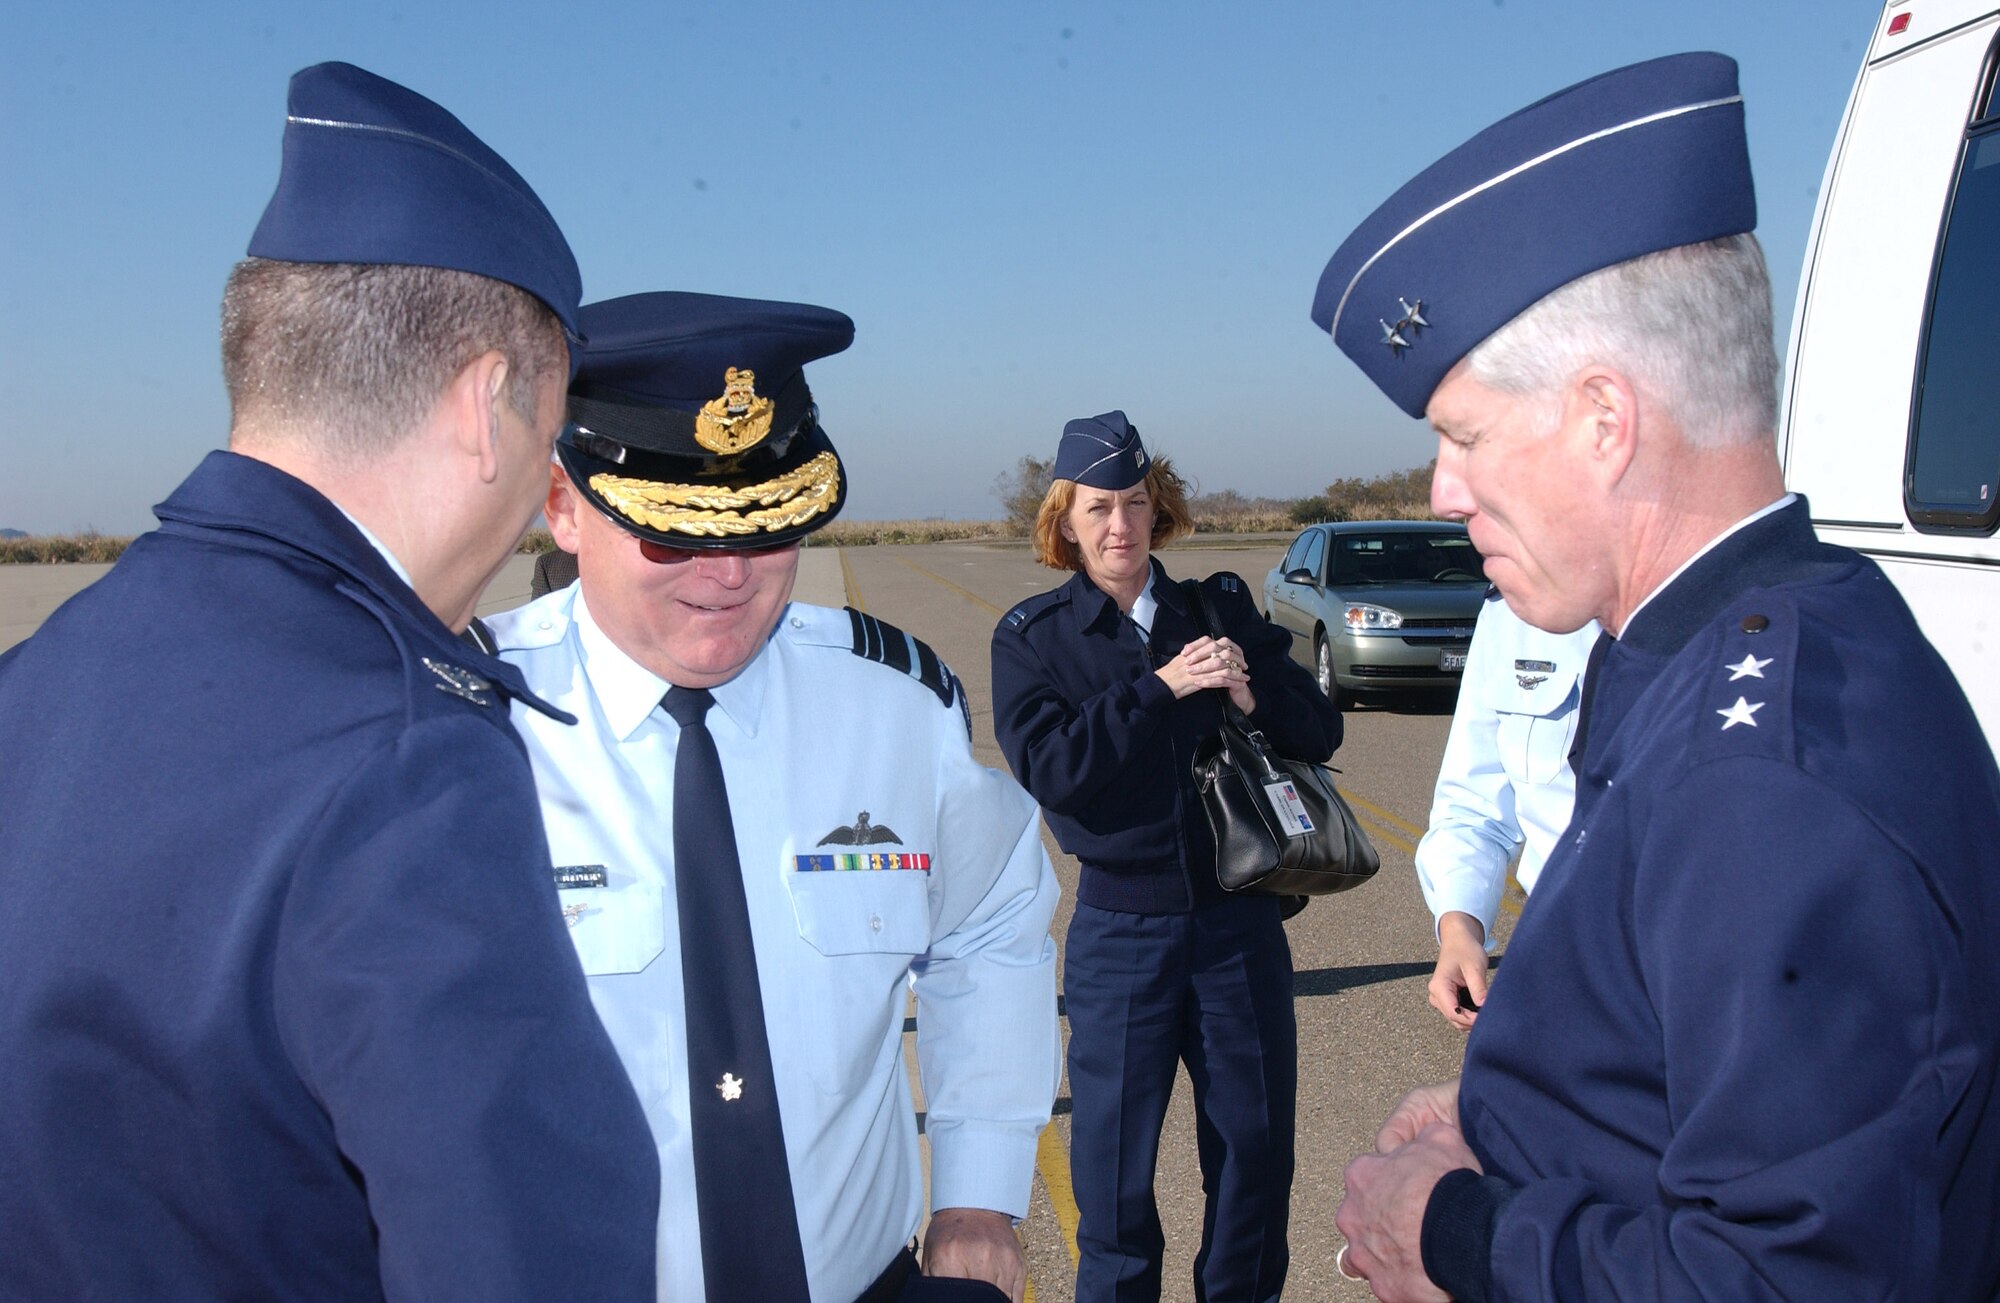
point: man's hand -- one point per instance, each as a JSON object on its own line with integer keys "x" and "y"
{"x": 1461, "y": 962}
{"x": 979, "y": 1245}
{"x": 1383, "y": 1213}
{"x": 1413, "y": 1112}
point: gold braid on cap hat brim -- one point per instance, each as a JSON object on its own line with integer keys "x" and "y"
{"x": 714, "y": 511}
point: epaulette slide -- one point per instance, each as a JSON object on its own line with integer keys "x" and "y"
{"x": 888, "y": 645}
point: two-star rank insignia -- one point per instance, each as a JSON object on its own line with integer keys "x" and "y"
{"x": 1397, "y": 335}
{"x": 459, "y": 682}
{"x": 731, "y": 1087}
{"x": 1740, "y": 713}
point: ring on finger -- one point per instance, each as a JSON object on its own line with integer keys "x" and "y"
{"x": 1340, "y": 1265}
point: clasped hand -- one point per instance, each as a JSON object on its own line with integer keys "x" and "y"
{"x": 1211, "y": 663}
{"x": 1383, "y": 1213}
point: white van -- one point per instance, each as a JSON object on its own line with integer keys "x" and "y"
{"x": 1891, "y": 423}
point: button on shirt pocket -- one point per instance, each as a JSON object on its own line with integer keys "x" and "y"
{"x": 1536, "y": 727}
{"x": 619, "y": 927}
{"x": 858, "y": 912}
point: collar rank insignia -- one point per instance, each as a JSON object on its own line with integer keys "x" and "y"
{"x": 861, "y": 833}
{"x": 459, "y": 682}
{"x": 737, "y": 420}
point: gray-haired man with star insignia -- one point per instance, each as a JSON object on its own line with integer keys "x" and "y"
{"x": 768, "y": 827}
{"x": 1746, "y": 1043}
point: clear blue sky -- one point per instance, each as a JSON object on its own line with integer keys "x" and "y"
{"x": 1032, "y": 210}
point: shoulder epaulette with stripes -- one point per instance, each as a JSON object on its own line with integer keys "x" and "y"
{"x": 885, "y": 644}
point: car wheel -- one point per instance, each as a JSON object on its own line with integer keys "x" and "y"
{"x": 1323, "y": 667}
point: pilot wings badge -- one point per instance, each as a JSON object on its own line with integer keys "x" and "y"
{"x": 737, "y": 420}
{"x": 861, "y": 833}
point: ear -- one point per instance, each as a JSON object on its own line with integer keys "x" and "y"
{"x": 473, "y": 401}
{"x": 1604, "y": 412}
{"x": 561, "y": 511}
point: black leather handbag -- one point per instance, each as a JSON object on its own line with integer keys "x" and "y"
{"x": 1281, "y": 827}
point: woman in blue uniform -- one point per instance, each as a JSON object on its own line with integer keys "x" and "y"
{"x": 1100, "y": 693}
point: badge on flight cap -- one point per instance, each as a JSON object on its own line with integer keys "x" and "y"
{"x": 1640, "y": 159}
{"x": 1103, "y": 452}
{"x": 654, "y": 447}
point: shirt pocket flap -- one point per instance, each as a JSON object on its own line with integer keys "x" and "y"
{"x": 863, "y": 912}
{"x": 619, "y": 927}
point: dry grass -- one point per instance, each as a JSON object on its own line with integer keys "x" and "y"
{"x": 54, "y": 548}
{"x": 57, "y": 548}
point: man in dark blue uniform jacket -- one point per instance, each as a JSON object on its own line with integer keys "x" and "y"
{"x": 1747, "y": 1038}
{"x": 287, "y": 1009}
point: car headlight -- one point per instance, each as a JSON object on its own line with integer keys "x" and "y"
{"x": 1361, "y": 616}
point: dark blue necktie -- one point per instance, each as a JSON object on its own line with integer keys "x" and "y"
{"x": 750, "y": 1249}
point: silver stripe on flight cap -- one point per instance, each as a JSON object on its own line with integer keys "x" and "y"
{"x": 1512, "y": 172}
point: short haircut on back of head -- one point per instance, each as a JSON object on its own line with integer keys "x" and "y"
{"x": 1691, "y": 325}
{"x": 353, "y": 356}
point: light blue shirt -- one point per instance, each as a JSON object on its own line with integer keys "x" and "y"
{"x": 1505, "y": 783}
{"x": 812, "y": 737}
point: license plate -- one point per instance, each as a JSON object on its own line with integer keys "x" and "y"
{"x": 1451, "y": 660}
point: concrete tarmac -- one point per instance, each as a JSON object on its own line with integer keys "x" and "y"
{"x": 1361, "y": 958}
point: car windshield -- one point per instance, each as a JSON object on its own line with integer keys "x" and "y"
{"x": 1412, "y": 558}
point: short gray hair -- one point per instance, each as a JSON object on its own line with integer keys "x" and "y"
{"x": 1691, "y": 325}
{"x": 352, "y": 356}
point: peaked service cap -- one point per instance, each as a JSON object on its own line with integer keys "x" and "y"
{"x": 1644, "y": 158}
{"x": 1103, "y": 452}
{"x": 375, "y": 173}
{"x": 690, "y": 423}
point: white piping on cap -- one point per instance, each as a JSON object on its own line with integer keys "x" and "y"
{"x": 1334, "y": 328}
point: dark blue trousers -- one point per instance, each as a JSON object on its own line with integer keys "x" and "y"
{"x": 1146, "y": 992}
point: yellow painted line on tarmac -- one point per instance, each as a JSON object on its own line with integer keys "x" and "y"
{"x": 1389, "y": 817}
{"x": 1509, "y": 903}
{"x": 1053, "y": 1161}
{"x": 964, "y": 592}
{"x": 847, "y": 582}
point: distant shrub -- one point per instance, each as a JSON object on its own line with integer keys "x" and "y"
{"x": 862, "y": 533}
{"x": 47, "y": 549}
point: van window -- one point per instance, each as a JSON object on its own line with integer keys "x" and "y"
{"x": 1951, "y": 481}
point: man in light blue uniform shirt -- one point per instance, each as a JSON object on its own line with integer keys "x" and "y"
{"x": 1505, "y": 785}
{"x": 876, "y": 854}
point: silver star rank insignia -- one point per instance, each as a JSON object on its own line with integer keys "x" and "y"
{"x": 1740, "y": 713}
{"x": 1391, "y": 337}
{"x": 731, "y": 1087}
{"x": 1747, "y": 668}
{"x": 1412, "y": 316}
{"x": 459, "y": 682}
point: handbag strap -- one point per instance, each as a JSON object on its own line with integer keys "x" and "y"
{"x": 1207, "y": 622}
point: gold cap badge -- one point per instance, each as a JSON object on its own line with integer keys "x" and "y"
{"x": 737, "y": 420}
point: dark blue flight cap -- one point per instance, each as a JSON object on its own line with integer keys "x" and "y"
{"x": 1628, "y": 163}
{"x": 690, "y": 423}
{"x": 1101, "y": 451}
{"x": 375, "y": 173}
